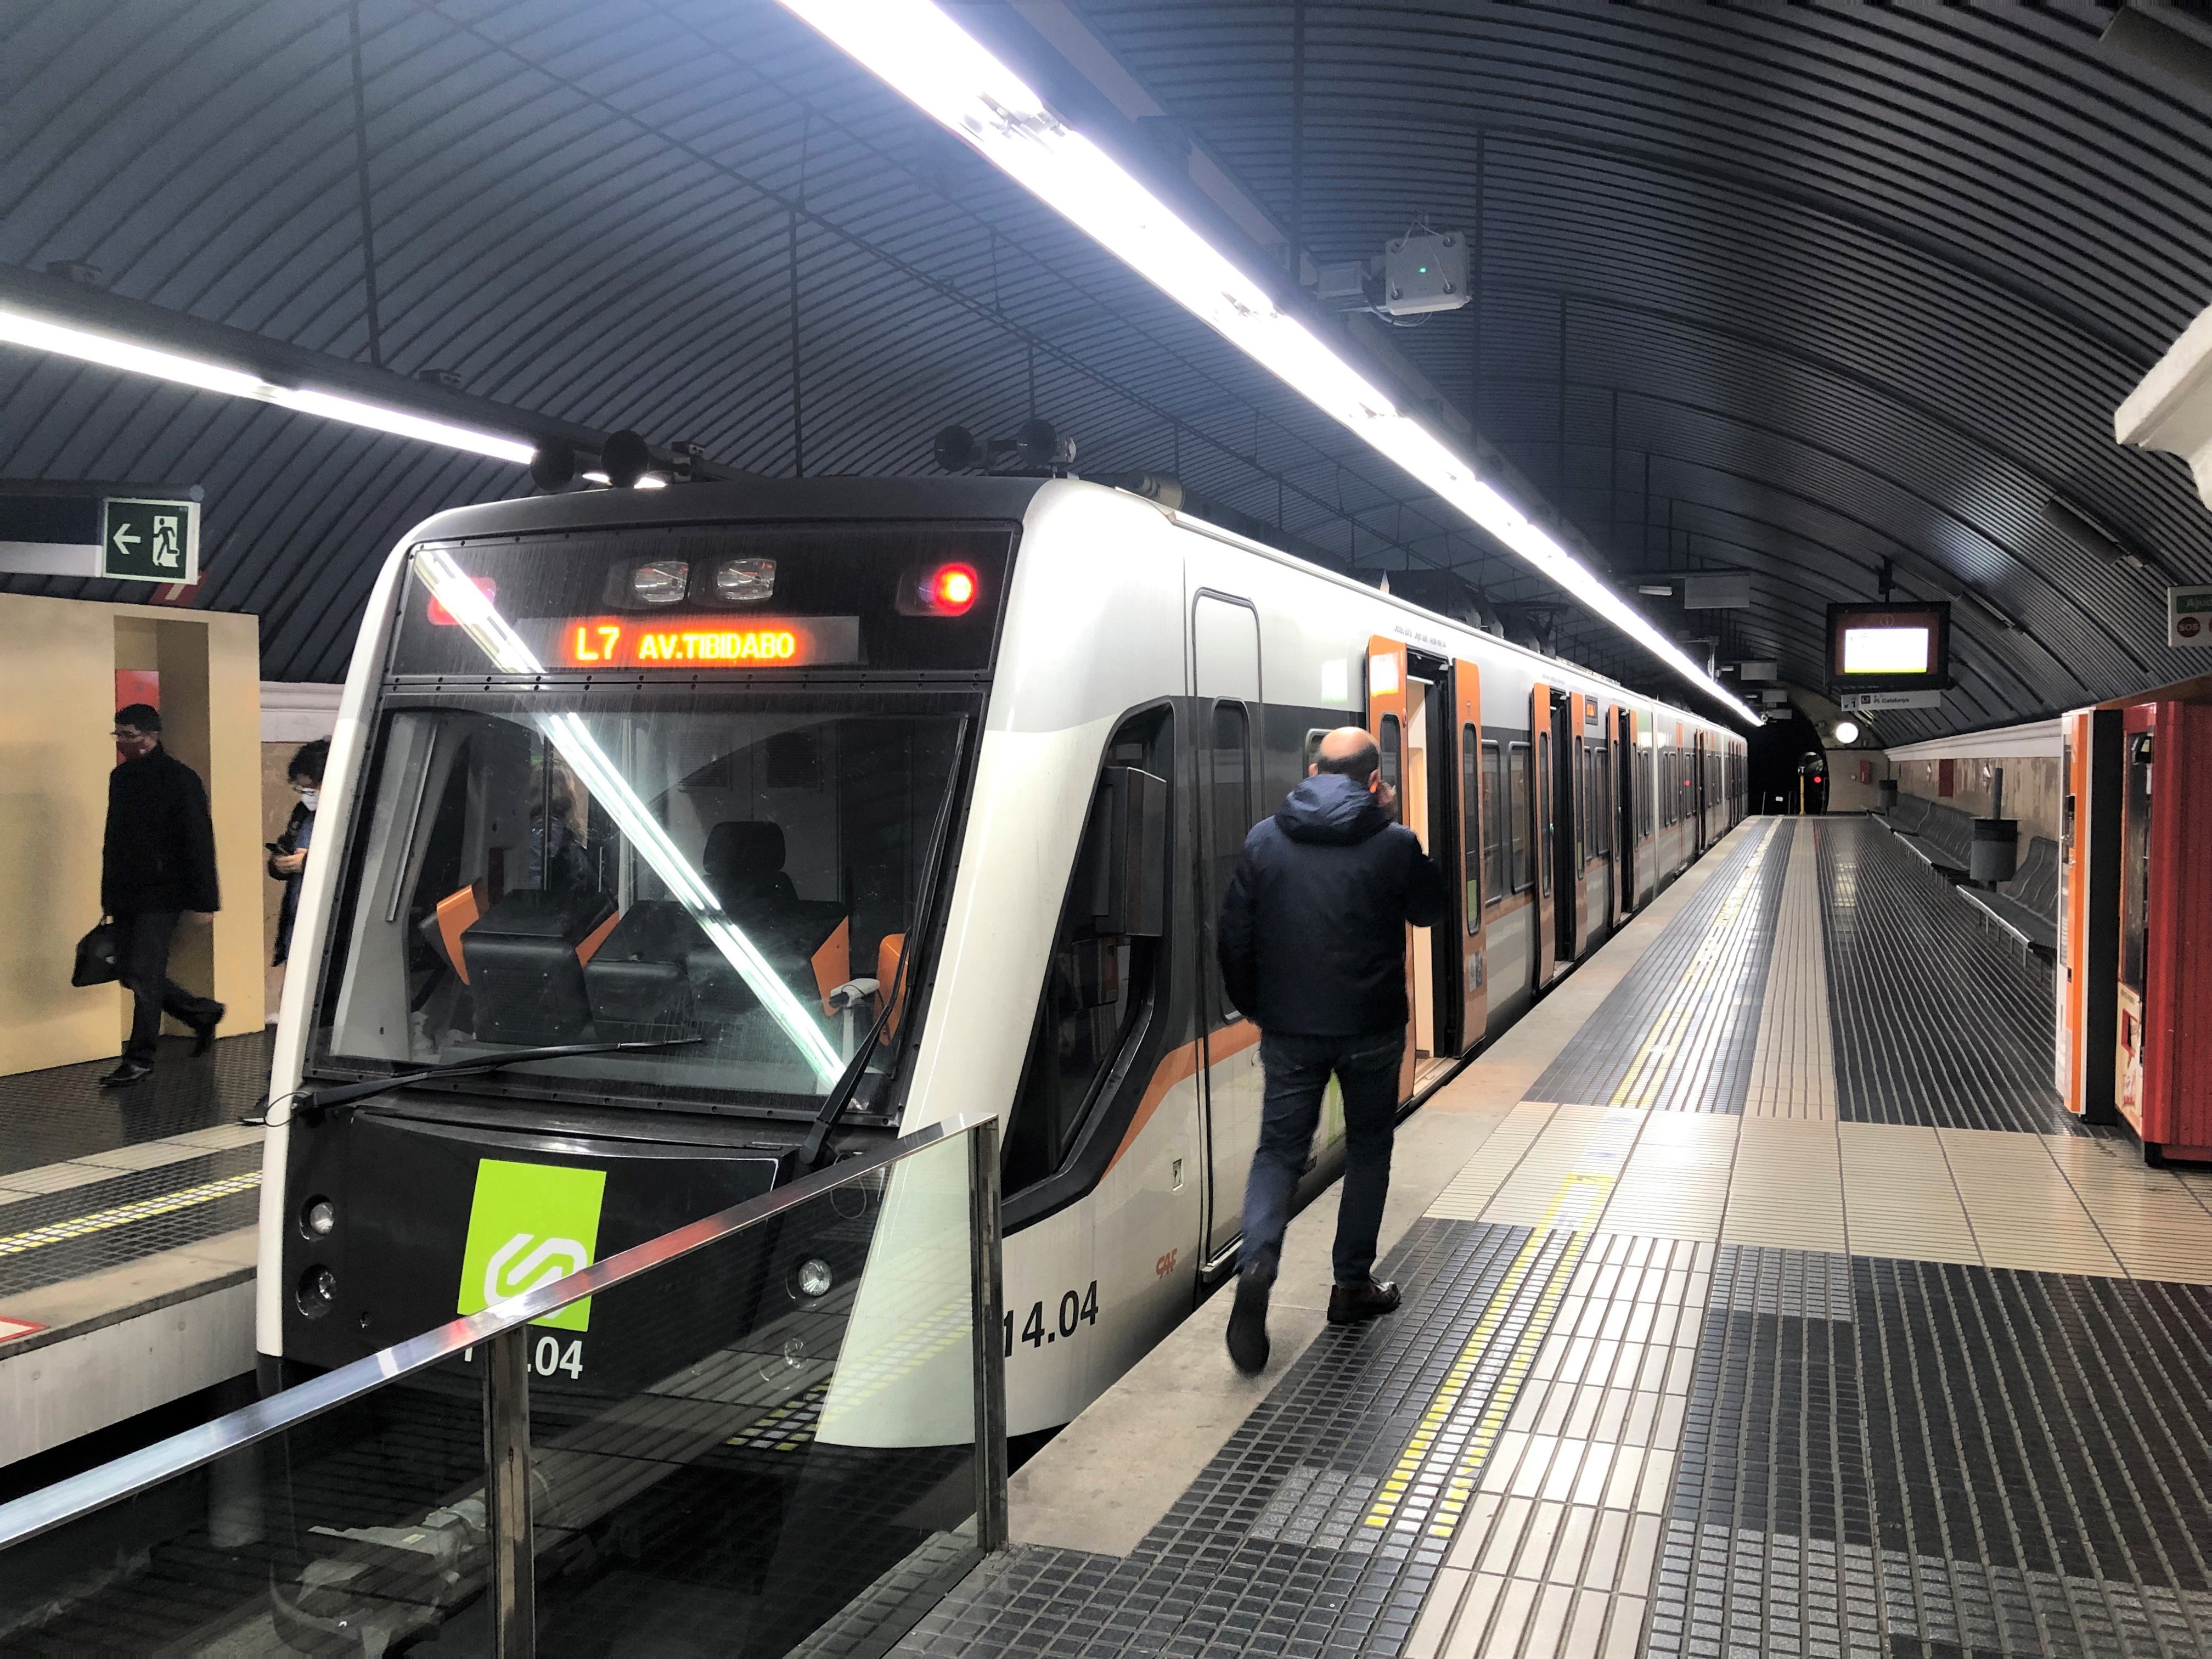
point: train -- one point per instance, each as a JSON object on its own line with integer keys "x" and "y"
{"x": 850, "y": 806}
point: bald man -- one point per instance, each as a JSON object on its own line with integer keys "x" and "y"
{"x": 1312, "y": 946}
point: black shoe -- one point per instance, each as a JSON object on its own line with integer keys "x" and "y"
{"x": 1248, "y": 1323}
{"x": 1350, "y": 1304}
{"x": 130, "y": 1072}
{"x": 204, "y": 1031}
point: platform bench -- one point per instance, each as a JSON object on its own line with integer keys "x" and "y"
{"x": 2026, "y": 907}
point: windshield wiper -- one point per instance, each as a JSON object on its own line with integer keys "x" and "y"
{"x": 352, "y": 1094}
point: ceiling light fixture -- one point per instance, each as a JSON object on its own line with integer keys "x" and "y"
{"x": 923, "y": 54}
{"x": 24, "y": 328}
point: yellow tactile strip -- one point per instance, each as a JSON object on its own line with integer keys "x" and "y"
{"x": 1556, "y": 1552}
{"x": 123, "y": 1215}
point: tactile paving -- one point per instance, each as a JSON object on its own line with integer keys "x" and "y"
{"x": 63, "y": 1113}
{"x": 1935, "y": 1022}
{"x": 1913, "y": 1457}
{"x": 1679, "y": 1032}
{"x": 104, "y": 1224}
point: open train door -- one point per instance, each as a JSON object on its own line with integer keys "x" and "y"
{"x": 1474, "y": 825}
{"x": 1539, "y": 832}
{"x": 1386, "y": 720}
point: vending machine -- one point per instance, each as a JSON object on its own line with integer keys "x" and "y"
{"x": 2162, "y": 1065}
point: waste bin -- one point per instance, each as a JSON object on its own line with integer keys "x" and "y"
{"x": 1996, "y": 851}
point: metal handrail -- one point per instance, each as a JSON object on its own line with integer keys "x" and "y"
{"x": 135, "y": 1472}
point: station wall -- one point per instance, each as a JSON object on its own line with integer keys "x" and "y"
{"x": 58, "y": 663}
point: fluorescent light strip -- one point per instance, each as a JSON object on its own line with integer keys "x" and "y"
{"x": 922, "y": 53}
{"x": 469, "y": 605}
{"x": 23, "y": 329}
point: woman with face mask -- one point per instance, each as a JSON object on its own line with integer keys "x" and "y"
{"x": 288, "y": 854}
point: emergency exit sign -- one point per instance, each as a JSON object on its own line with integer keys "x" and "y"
{"x": 149, "y": 541}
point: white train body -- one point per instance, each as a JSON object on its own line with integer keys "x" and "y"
{"x": 1129, "y": 639}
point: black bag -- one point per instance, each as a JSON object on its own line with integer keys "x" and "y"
{"x": 95, "y": 956}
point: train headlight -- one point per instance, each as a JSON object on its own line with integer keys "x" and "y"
{"x": 814, "y": 1277}
{"x": 663, "y": 581}
{"x": 318, "y": 1292}
{"x": 317, "y": 1217}
{"x": 745, "y": 581}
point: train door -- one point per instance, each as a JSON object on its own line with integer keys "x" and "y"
{"x": 1388, "y": 696}
{"x": 1474, "y": 891}
{"x": 1563, "y": 839}
{"x": 1574, "y": 748}
{"x": 1620, "y": 733}
{"x": 1699, "y": 741}
{"x": 1429, "y": 808}
{"x": 1599, "y": 773}
{"x": 1539, "y": 830}
{"x": 1226, "y": 655}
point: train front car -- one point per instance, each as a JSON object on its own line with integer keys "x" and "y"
{"x": 684, "y": 775}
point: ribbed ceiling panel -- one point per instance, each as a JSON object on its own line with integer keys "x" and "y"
{"x": 1798, "y": 290}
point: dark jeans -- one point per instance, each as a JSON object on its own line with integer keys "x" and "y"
{"x": 1298, "y": 1069}
{"x": 141, "y": 963}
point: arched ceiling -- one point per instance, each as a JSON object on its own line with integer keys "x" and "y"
{"x": 1791, "y": 289}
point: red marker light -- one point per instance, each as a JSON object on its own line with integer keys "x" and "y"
{"x": 951, "y": 589}
{"x": 441, "y": 617}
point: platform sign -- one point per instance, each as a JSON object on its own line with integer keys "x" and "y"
{"x": 2189, "y": 615}
{"x": 149, "y": 541}
{"x": 1858, "y": 703}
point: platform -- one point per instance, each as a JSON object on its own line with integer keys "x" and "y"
{"x": 126, "y": 1239}
{"x": 1759, "y": 1298}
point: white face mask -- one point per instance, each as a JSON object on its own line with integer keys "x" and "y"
{"x": 309, "y": 797}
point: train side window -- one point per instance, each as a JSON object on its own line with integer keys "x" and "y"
{"x": 1228, "y": 815}
{"x": 1493, "y": 824}
{"x": 1581, "y": 804}
{"x": 1600, "y": 801}
{"x": 1547, "y": 814}
{"x": 1471, "y": 822}
{"x": 1521, "y": 807}
{"x": 1392, "y": 740}
{"x": 1099, "y": 985}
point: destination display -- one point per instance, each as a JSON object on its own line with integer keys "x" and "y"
{"x": 708, "y": 641}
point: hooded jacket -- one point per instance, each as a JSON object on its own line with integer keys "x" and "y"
{"x": 1312, "y": 939}
{"x": 159, "y": 851}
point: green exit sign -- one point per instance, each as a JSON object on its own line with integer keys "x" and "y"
{"x": 149, "y": 541}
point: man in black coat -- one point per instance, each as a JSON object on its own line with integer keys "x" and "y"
{"x": 1313, "y": 948}
{"x": 156, "y": 862}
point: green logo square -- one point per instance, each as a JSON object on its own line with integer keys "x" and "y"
{"x": 530, "y": 1225}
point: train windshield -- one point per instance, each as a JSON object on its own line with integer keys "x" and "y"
{"x": 738, "y": 871}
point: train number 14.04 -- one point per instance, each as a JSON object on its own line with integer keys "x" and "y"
{"x": 1073, "y": 1312}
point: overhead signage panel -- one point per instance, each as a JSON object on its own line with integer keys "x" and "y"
{"x": 1859, "y": 703}
{"x": 2189, "y": 615}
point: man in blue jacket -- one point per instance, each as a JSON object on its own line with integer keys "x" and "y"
{"x": 1312, "y": 947}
